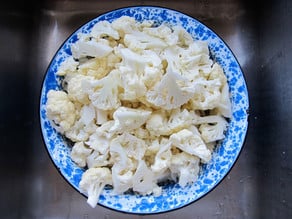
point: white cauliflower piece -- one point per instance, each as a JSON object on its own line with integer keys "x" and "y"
{"x": 93, "y": 182}
{"x": 84, "y": 126}
{"x": 179, "y": 119}
{"x": 224, "y": 106}
{"x": 98, "y": 143}
{"x": 138, "y": 41}
{"x": 90, "y": 48}
{"x": 169, "y": 93}
{"x": 96, "y": 67}
{"x": 79, "y": 153}
{"x": 133, "y": 147}
{"x": 133, "y": 87}
{"x": 212, "y": 128}
{"x": 185, "y": 168}
{"x": 96, "y": 159}
{"x": 74, "y": 88}
{"x": 157, "y": 124}
{"x": 164, "y": 32}
{"x": 184, "y": 38}
{"x": 162, "y": 158}
{"x": 127, "y": 119}
{"x": 60, "y": 110}
{"x": 125, "y": 24}
{"x": 69, "y": 65}
{"x": 144, "y": 181}
{"x": 138, "y": 71}
{"x": 123, "y": 167}
{"x": 186, "y": 141}
{"x": 104, "y": 29}
{"x": 104, "y": 93}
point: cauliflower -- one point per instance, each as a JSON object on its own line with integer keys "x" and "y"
{"x": 104, "y": 29}
{"x": 132, "y": 146}
{"x": 138, "y": 72}
{"x": 144, "y": 181}
{"x": 192, "y": 144}
{"x": 69, "y": 65}
{"x": 85, "y": 125}
{"x": 96, "y": 159}
{"x": 103, "y": 93}
{"x": 127, "y": 119}
{"x": 163, "y": 32}
{"x": 224, "y": 106}
{"x": 168, "y": 94}
{"x": 74, "y": 88}
{"x": 96, "y": 67}
{"x": 185, "y": 167}
{"x": 125, "y": 24}
{"x": 93, "y": 181}
{"x": 79, "y": 153}
{"x": 212, "y": 128}
{"x": 165, "y": 123}
{"x": 60, "y": 110}
{"x": 90, "y": 48}
{"x": 162, "y": 158}
{"x": 157, "y": 124}
{"x": 138, "y": 41}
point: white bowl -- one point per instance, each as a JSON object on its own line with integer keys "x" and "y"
{"x": 225, "y": 154}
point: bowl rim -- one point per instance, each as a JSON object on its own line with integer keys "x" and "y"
{"x": 242, "y": 145}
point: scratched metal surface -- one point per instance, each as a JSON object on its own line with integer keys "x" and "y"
{"x": 259, "y": 34}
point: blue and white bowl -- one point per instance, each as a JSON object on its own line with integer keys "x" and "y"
{"x": 225, "y": 154}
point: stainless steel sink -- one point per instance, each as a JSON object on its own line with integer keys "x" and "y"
{"x": 259, "y": 34}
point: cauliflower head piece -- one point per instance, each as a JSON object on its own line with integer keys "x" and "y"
{"x": 93, "y": 182}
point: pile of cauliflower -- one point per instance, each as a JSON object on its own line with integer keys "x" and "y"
{"x": 142, "y": 103}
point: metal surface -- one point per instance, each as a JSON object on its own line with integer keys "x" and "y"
{"x": 259, "y": 34}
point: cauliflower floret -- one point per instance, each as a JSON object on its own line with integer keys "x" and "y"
{"x": 90, "y": 48}
{"x": 96, "y": 159}
{"x": 184, "y": 38}
{"x": 69, "y": 65}
{"x": 224, "y": 106}
{"x": 185, "y": 168}
{"x": 60, "y": 110}
{"x": 138, "y": 41}
{"x": 157, "y": 124}
{"x": 212, "y": 128}
{"x": 164, "y": 32}
{"x": 84, "y": 126}
{"x": 104, "y": 93}
{"x": 179, "y": 119}
{"x": 79, "y": 153}
{"x": 96, "y": 67}
{"x": 162, "y": 158}
{"x": 207, "y": 94}
{"x": 123, "y": 167}
{"x": 127, "y": 119}
{"x": 125, "y": 24}
{"x": 186, "y": 141}
{"x": 74, "y": 88}
{"x": 167, "y": 122}
{"x": 138, "y": 72}
{"x": 98, "y": 143}
{"x": 133, "y": 147}
{"x": 169, "y": 93}
{"x": 217, "y": 73}
{"x": 93, "y": 181}
{"x": 104, "y": 29}
{"x": 144, "y": 181}
{"x": 133, "y": 87}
